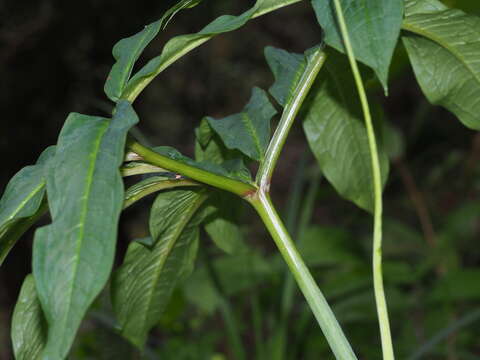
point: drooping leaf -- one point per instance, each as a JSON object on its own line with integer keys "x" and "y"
{"x": 221, "y": 222}
{"x": 287, "y": 68}
{"x": 234, "y": 169}
{"x": 29, "y": 327}
{"x": 72, "y": 257}
{"x": 249, "y": 130}
{"x": 444, "y": 50}
{"x": 183, "y": 44}
{"x": 127, "y": 51}
{"x": 373, "y": 27}
{"x": 21, "y": 203}
{"x": 142, "y": 286}
{"x": 337, "y": 136}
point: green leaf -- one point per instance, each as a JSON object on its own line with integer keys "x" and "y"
{"x": 29, "y": 328}
{"x": 183, "y": 44}
{"x": 248, "y": 131}
{"x": 21, "y": 203}
{"x": 423, "y": 6}
{"x": 221, "y": 222}
{"x": 72, "y": 257}
{"x": 127, "y": 51}
{"x": 373, "y": 26}
{"x": 151, "y": 185}
{"x": 444, "y": 50}
{"x": 287, "y": 68}
{"x": 337, "y": 135}
{"x": 142, "y": 286}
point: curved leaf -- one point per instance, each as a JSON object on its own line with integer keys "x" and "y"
{"x": 183, "y": 44}
{"x": 248, "y": 131}
{"x": 127, "y": 51}
{"x": 29, "y": 328}
{"x": 73, "y": 256}
{"x": 151, "y": 185}
{"x": 337, "y": 135}
{"x": 374, "y": 27}
{"x": 423, "y": 6}
{"x": 142, "y": 286}
{"x": 21, "y": 200}
{"x": 445, "y": 60}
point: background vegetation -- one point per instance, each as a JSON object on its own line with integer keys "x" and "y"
{"x": 54, "y": 58}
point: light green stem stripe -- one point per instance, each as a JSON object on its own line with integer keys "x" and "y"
{"x": 317, "y": 302}
{"x": 380, "y": 300}
{"x": 288, "y": 117}
{"x": 237, "y": 187}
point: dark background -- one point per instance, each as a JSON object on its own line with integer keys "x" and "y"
{"x": 55, "y": 56}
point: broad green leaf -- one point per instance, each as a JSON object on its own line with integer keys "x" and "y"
{"x": 234, "y": 168}
{"x": 444, "y": 50}
{"x": 142, "y": 286}
{"x": 127, "y": 51}
{"x": 183, "y": 44}
{"x": 287, "y": 68}
{"x": 72, "y": 257}
{"x": 337, "y": 136}
{"x": 373, "y": 27}
{"x": 21, "y": 203}
{"x": 29, "y": 327}
{"x": 151, "y": 185}
{"x": 249, "y": 130}
{"x": 423, "y": 6}
{"x": 221, "y": 222}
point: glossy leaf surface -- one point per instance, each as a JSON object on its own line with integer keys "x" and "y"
{"x": 444, "y": 53}
{"x": 249, "y": 130}
{"x": 29, "y": 327}
{"x": 142, "y": 286}
{"x": 337, "y": 135}
{"x": 72, "y": 257}
{"x": 373, "y": 27}
{"x": 22, "y": 200}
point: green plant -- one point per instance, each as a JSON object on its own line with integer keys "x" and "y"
{"x": 73, "y": 257}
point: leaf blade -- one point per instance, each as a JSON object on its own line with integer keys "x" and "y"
{"x": 374, "y": 28}
{"x": 249, "y": 130}
{"x": 73, "y": 256}
{"x": 29, "y": 327}
{"x": 141, "y": 287}
{"x": 336, "y": 135}
{"x": 445, "y": 60}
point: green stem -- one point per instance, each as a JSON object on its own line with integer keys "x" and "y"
{"x": 264, "y": 175}
{"x": 221, "y": 182}
{"x": 380, "y": 300}
{"x": 320, "y": 308}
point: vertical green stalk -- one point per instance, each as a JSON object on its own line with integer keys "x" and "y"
{"x": 380, "y": 300}
{"x": 317, "y": 302}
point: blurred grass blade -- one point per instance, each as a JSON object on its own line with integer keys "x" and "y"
{"x": 21, "y": 203}
{"x": 444, "y": 48}
{"x": 337, "y": 136}
{"x": 183, "y": 44}
{"x": 249, "y": 130}
{"x": 181, "y": 5}
{"x": 29, "y": 327}
{"x": 72, "y": 257}
{"x": 444, "y": 334}
{"x": 142, "y": 286}
{"x": 376, "y": 27}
